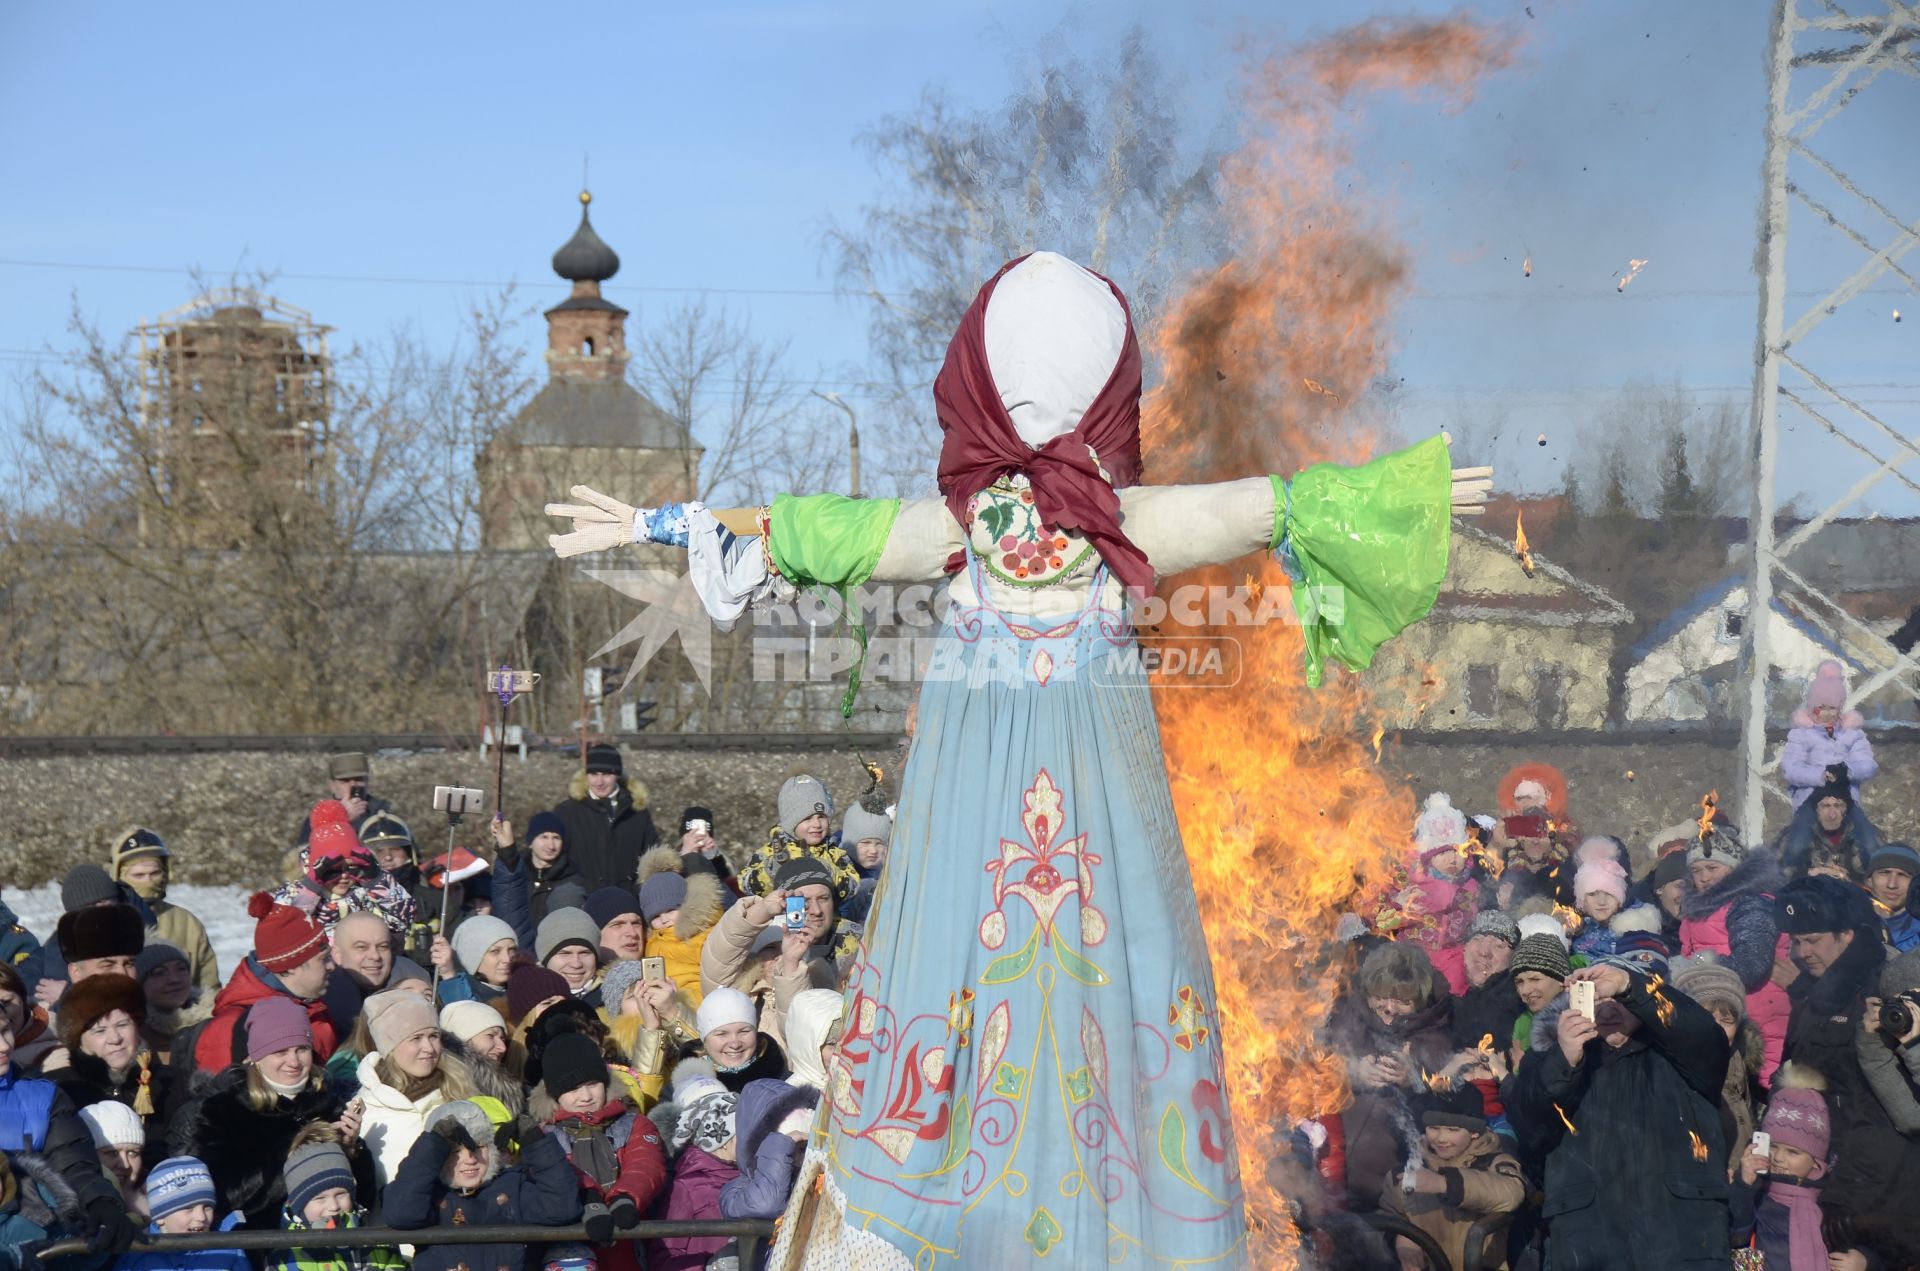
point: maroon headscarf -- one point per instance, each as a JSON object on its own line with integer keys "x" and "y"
{"x": 981, "y": 444}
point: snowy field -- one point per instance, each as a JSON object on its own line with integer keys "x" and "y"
{"x": 222, "y": 908}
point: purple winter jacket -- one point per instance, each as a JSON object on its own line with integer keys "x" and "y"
{"x": 698, "y": 1177}
{"x": 1810, "y": 751}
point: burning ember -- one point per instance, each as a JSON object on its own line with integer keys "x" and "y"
{"x": 1315, "y": 386}
{"x": 1633, "y": 271}
{"x": 1564, "y": 1121}
{"x": 1474, "y": 850}
{"x": 1662, "y": 1006}
{"x": 1522, "y": 550}
{"x": 1570, "y": 919}
{"x": 1707, "y": 806}
{"x": 1699, "y": 1148}
{"x": 1486, "y": 1045}
{"x": 1526, "y": 267}
{"x": 1896, "y": 315}
{"x": 1308, "y": 294}
{"x": 1379, "y": 733}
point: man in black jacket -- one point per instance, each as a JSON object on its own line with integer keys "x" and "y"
{"x": 1836, "y": 944}
{"x": 1625, "y": 1110}
{"x": 608, "y": 827}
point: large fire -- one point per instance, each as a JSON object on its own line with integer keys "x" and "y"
{"x": 1286, "y": 821}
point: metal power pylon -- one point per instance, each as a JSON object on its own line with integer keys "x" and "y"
{"x": 1824, "y": 56}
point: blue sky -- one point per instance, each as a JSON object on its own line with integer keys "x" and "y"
{"x": 435, "y": 141}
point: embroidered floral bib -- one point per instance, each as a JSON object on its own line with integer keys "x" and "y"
{"x": 1013, "y": 545}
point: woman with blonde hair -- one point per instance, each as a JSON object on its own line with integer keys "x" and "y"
{"x": 244, "y": 1124}
{"x": 407, "y": 1069}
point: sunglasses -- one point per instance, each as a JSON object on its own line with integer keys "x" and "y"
{"x": 334, "y": 868}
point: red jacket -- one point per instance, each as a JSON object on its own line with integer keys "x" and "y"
{"x": 640, "y": 1159}
{"x": 223, "y": 1042}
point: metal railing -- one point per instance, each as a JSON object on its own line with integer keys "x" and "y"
{"x": 749, "y": 1233}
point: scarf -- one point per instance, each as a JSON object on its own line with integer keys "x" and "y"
{"x": 1074, "y": 475}
{"x": 1806, "y": 1247}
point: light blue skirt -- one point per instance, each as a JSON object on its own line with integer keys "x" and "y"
{"x": 1031, "y": 1066}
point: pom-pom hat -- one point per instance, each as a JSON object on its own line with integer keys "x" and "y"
{"x": 284, "y": 937}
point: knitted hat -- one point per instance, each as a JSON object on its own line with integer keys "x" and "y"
{"x": 1671, "y": 869}
{"x": 1819, "y": 903}
{"x": 608, "y": 903}
{"x": 1641, "y": 951}
{"x": 1440, "y": 824}
{"x": 87, "y": 884}
{"x": 284, "y": 937}
{"x": 1542, "y": 925}
{"x": 385, "y": 828}
{"x": 570, "y": 1257}
{"x": 1710, "y": 982}
{"x": 330, "y": 834}
{"x": 570, "y": 1061}
{"x": 1798, "y": 1118}
{"x": 404, "y": 969}
{"x": 1894, "y": 856}
{"x": 275, "y": 1023}
{"x": 860, "y": 824}
{"x": 618, "y": 980}
{"x": 88, "y": 1001}
{"x": 1541, "y": 953}
{"x": 1601, "y": 875}
{"x": 661, "y": 894}
{"x": 1828, "y": 687}
{"x": 604, "y": 756}
{"x": 348, "y": 766}
{"x": 725, "y": 1006}
{"x": 465, "y": 1021}
{"x": 801, "y": 871}
{"x": 178, "y": 1183}
{"x": 1720, "y": 843}
{"x": 100, "y": 931}
{"x": 1493, "y": 922}
{"x": 314, "y": 1168}
{"x": 528, "y": 986}
{"x": 395, "y": 1015}
{"x": 114, "y": 1124}
{"x": 696, "y": 813}
{"x": 157, "y": 954}
{"x": 563, "y": 927}
{"x": 706, "y": 1107}
{"x": 1901, "y": 975}
{"x": 571, "y": 894}
{"x": 477, "y": 934}
{"x": 1463, "y": 1108}
{"x": 135, "y": 842}
{"x": 1840, "y": 790}
{"x": 546, "y": 823}
{"x": 800, "y": 798}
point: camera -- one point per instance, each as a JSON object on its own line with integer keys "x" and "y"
{"x": 796, "y": 914}
{"x": 1896, "y": 1017}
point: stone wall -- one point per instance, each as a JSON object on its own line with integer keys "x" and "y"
{"x": 229, "y": 816}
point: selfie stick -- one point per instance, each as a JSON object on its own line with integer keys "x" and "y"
{"x": 505, "y": 684}
{"x": 446, "y": 889}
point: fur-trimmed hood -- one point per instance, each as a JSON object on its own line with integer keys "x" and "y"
{"x": 1854, "y": 974}
{"x": 636, "y": 790}
{"x": 50, "y": 1201}
{"x": 1803, "y": 718}
{"x": 762, "y": 1107}
{"x": 706, "y": 898}
{"x": 1636, "y": 918}
{"x": 1758, "y": 872}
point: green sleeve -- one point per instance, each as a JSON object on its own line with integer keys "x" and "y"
{"x": 828, "y": 539}
{"x": 1368, "y": 550}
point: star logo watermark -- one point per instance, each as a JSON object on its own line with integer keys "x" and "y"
{"x": 671, "y": 607}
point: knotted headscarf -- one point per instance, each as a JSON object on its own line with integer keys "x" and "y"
{"x": 1074, "y": 474}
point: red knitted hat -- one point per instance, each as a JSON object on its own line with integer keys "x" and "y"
{"x": 330, "y": 833}
{"x": 283, "y": 937}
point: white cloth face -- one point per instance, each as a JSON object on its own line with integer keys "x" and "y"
{"x": 1053, "y": 333}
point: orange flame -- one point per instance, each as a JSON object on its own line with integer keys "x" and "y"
{"x": 1662, "y": 1006}
{"x": 1379, "y": 733}
{"x": 1308, "y": 293}
{"x": 1633, "y": 271}
{"x": 1570, "y": 919}
{"x": 1699, "y": 1148}
{"x": 1564, "y": 1121}
{"x": 1486, "y": 1045}
{"x": 1521, "y": 548}
{"x": 1315, "y": 386}
{"x": 1707, "y": 805}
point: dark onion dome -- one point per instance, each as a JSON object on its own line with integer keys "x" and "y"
{"x": 585, "y": 258}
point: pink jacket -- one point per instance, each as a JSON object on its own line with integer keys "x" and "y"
{"x": 1767, "y": 1006}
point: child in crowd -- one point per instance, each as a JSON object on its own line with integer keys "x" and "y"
{"x": 616, "y": 1152}
{"x": 698, "y": 1125}
{"x": 1464, "y": 1176}
{"x": 180, "y": 1200}
{"x": 1776, "y": 1206}
{"x": 322, "y": 1197}
{"x": 768, "y": 1156}
{"x": 1600, "y": 892}
{"x": 474, "y": 965}
{"x": 866, "y": 834}
{"x": 120, "y": 1140}
{"x": 681, "y": 906}
{"x": 1827, "y": 743}
{"x": 458, "y": 1174}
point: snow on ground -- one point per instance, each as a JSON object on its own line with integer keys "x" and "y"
{"x": 222, "y": 908}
